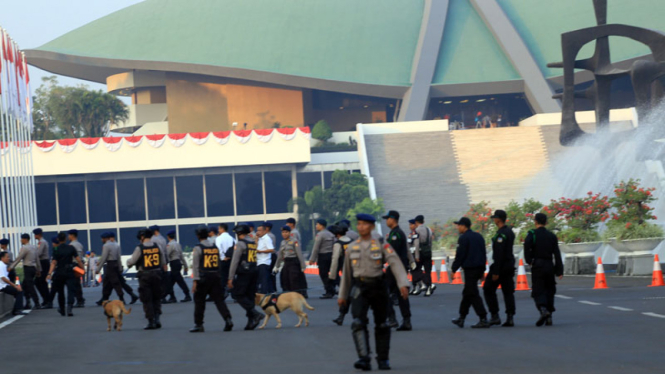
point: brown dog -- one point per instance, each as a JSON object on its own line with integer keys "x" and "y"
{"x": 277, "y": 303}
{"x": 115, "y": 309}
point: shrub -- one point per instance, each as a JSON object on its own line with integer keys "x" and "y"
{"x": 322, "y": 131}
{"x": 580, "y": 217}
{"x": 633, "y": 209}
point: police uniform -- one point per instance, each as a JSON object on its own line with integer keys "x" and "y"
{"x": 206, "y": 264}
{"x": 65, "y": 257}
{"x": 302, "y": 279}
{"x": 160, "y": 241}
{"x": 150, "y": 263}
{"x": 339, "y": 252}
{"x": 176, "y": 261}
{"x": 541, "y": 251}
{"x": 350, "y": 233}
{"x": 413, "y": 242}
{"x": 126, "y": 287}
{"x": 363, "y": 280}
{"x": 397, "y": 240}
{"x": 503, "y": 265}
{"x": 294, "y": 264}
{"x": 31, "y": 267}
{"x": 43, "y": 256}
{"x": 80, "y": 301}
{"x": 322, "y": 255}
{"x": 244, "y": 275}
{"x": 425, "y": 249}
{"x": 110, "y": 262}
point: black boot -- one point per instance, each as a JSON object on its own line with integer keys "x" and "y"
{"x": 197, "y": 328}
{"x": 69, "y": 311}
{"x": 134, "y": 298}
{"x": 150, "y": 325}
{"x": 392, "y": 320}
{"x": 158, "y": 323}
{"x": 186, "y": 299}
{"x": 459, "y": 321}
{"x": 361, "y": 340}
{"x": 382, "y": 338}
{"x": 80, "y": 304}
{"x": 47, "y": 306}
{"x": 383, "y": 364}
{"x": 254, "y": 321}
{"x": 544, "y": 314}
{"x": 28, "y": 306}
{"x": 509, "y": 321}
{"x": 482, "y": 324}
{"x": 229, "y": 324}
{"x": 61, "y": 311}
{"x": 172, "y": 300}
{"x": 495, "y": 320}
{"x": 340, "y": 319}
{"x": 99, "y": 302}
{"x": 406, "y": 325}
{"x": 548, "y": 321}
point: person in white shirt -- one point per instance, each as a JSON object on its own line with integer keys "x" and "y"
{"x": 225, "y": 243}
{"x": 263, "y": 259}
{"x": 8, "y": 287}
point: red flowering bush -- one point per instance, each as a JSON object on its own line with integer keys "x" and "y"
{"x": 479, "y": 214}
{"x": 578, "y": 219}
{"x": 633, "y": 208}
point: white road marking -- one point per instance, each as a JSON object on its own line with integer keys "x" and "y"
{"x": 620, "y": 308}
{"x": 654, "y": 315}
{"x": 589, "y": 302}
{"x": 12, "y": 320}
{"x": 563, "y": 297}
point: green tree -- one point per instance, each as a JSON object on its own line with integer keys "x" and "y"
{"x": 322, "y": 131}
{"x": 367, "y": 206}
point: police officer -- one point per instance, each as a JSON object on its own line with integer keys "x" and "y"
{"x": 151, "y": 264}
{"x": 74, "y": 242}
{"x": 225, "y": 243}
{"x": 110, "y": 262}
{"x": 212, "y": 233}
{"x": 541, "y": 251}
{"x": 501, "y": 271}
{"x": 32, "y": 269}
{"x": 252, "y": 232}
{"x": 177, "y": 262}
{"x": 397, "y": 239}
{"x": 363, "y": 280}
{"x": 471, "y": 257}
{"x": 295, "y": 234}
{"x": 273, "y": 257}
{"x": 207, "y": 280}
{"x": 414, "y": 247}
{"x": 339, "y": 250}
{"x": 159, "y": 239}
{"x": 322, "y": 254}
{"x": 425, "y": 247}
{"x": 127, "y": 288}
{"x": 243, "y": 285}
{"x": 62, "y": 272}
{"x": 43, "y": 255}
{"x": 350, "y": 233}
{"x": 291, "y": 257}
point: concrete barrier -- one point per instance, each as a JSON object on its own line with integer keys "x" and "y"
{"x": 6, "y": 304}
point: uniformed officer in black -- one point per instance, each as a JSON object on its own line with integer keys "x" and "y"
{"x": 502, "y": 271}
{"x": 151, "y": 264}
{"x": 471, "y": 257}
{"x": 363, "y": 279}
{"x": 397, "y": 239}
{"x": 62, "y": 273}
{"x": 541, "y": 251}
{"x": 243, "y": 275}
{"x": 207, "y": 280}
{"x": 339, "y": 251}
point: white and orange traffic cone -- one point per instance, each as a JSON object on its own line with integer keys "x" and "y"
{"x": 601, "y": 282}
{"x": 443, "y": 276}
{"x": 99, "y": 278}
{"x": 434, "y": 274}
{"x": 18, "y": 281}
{"x": 657, "y": 277}
{"x": 522, "y": 281}
{"x": 457, "y": 277}
{"x": 487, "y": 271}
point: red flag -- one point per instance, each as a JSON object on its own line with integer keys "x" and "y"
{"x": 10, "y": 52}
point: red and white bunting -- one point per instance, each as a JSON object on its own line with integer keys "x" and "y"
{"x": 112, "y": 143}
{"x": 242, "y": 136}
{"x": 24, "y": 146}
{"x": 222, "y": 137}
{"x": 133, "y": 141}
{"x": 287, "y": 133}
{"x": 90, "y": 143}
{"x": 67, "y": 145}
{"x": 4, "y": 148}
{"x": 44, "y": 146}
{"x": 264, "y": 135}
{"x": 156, "y": 141}
{"x": 306, "y": 132}
{"x": 177, "y": 140}
{"x": 199, "y": 138}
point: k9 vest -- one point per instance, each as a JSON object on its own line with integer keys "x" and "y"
{"x": 248, "y": 258}
{"x": 209, "y": 259}
{"x": 151, "y": 257}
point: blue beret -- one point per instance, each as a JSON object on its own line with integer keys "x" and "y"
{"x": 171, "y": 233}
{"x": 250, "y": 224}
{"x": 111, "y": 234}
{"x": 104, "y": 235}
{"x": 322, "y": 222}
{"x": 25, "y": 236}
{"x": 291, "y": 220}
{"x": 4, "y": 241}
{"x": 37, "y": 231}
{"x": 154, "y": 228}
{"x": 365, "y": 217}
{"x": 346, "y": 222}
{"x": 88, "y": 253}
{"x": 73, "y": 232}
{"x": 267, "y": 224}
{"x": 286, "y": 228}
{"x": 412, "y": 221}
{"x": 54, "y": 240}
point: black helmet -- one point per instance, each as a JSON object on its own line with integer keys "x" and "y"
{"x": 241, "y": 230}
{"x": 201, "y": 232}
{"x": 336, "y": 230}
{"x": 144, "y": 233}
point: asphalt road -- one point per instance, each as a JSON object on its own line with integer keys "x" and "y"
{"x": 619, "y": 330}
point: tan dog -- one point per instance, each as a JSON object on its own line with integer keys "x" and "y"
{"x": 115, "y": 309}
{"x": 287, "y": 300}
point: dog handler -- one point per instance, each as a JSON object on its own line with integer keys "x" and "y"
{"x": 294, "y": 263}
{"x": 363, "y": 280}
{"x": 243, "y": 263}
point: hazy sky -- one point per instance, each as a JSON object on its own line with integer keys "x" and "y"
{"x": 32, "y": 23}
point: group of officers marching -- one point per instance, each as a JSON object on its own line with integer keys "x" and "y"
{"x": 223, "y": 264}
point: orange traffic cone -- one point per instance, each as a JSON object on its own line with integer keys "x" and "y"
{"x": 657, "y": 277}
{"x": 99, "y": 278}
{"x": 522, "y": 281}
{"x": 457, "y": 277}
{"x": 600, "y": 276}
{"x": 487, "y": 271}
{"x": 18, "y": 281}
{"x": 443, "y": 276}
{"x": 434, "y": 275}
{"x": 409, "y": 277}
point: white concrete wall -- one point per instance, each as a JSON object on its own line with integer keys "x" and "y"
{"x": 620, "y": 119}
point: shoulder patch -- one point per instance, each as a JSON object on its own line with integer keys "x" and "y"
{"x": 500, "y": 240}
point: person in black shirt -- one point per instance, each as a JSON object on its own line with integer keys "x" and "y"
{"x": 541, "y": 251}
{"x": 471, "y": 257}
{"x": 397, "y": 239}
{"x": 501, "y": 272}
{"x": 62, "y": 266}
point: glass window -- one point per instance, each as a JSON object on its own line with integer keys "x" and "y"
{"x": 278, "y": 191}
{"x": 160, "y": 198}
{"x": 187, "y": 237}
{"x": 128, "y": 240}
{"x": 277, "y": 231}
{"x": 71, "y": 201}
{"x": 101, "y": 201}
{"x": 190, "y": 196}
{"x": 46, "y": 213}
{"x": 249, "y": 193}
{"x": 96, "y": 241}
{"x": 219, "y": 195}
{"x": 306, "y": 181}
{"x": 327, "y": 178}
{"x": 131, "y": 200}
{"x": 47, "y": 236}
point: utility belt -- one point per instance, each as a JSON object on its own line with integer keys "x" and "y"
{"x": 291, "y": 259}
{"x": 368, "y": 280}
{"x": 209, "y": 273}
{"x": 175, "y": 262}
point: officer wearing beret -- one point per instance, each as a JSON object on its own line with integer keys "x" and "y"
{"x": 128, "y": 289}
{"x": 74, "y": 242}
{"x": 339, "y": 250}
{"x": 206, "y": 264}
{"x": 151, "y": 264}
{"x": 176, "y": 261}
{"x": 501, "y": 271}
{"x": 110, "y": 262}
{"x": 414, "y": 247}
{"x": 252, "y": 232}
{"x": 322, "y": 254}
{"x": 397, "y": 239}
{"x": 425, "y": 239}
{"x": 43, "y": 255}
{"x": 243, "y": 275}
{"x": 295, "y": 234}
{"x": 472, "y": 257}
{"x": 290, "y": 255}
{"x": 363, "y": 280}
{"x": 31, "y": 270}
